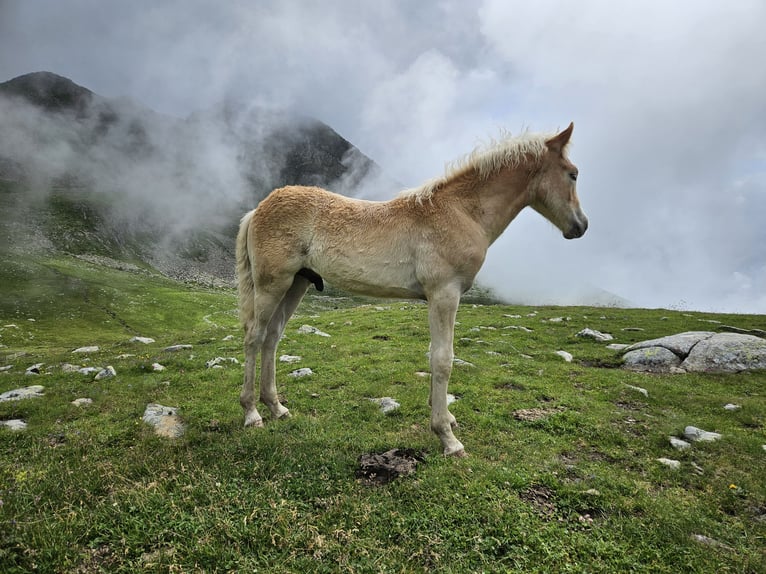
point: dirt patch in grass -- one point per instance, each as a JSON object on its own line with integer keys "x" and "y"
{"x": 541, "y": 499}
{"x": 535, "y": 414}
{"x": 382, "y": 468}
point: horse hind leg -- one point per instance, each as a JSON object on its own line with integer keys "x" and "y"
{"x": 265, "y": 306}
{"x": 276, "y": 327}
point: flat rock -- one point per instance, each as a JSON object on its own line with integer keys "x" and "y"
{"x": 176, "y": 348}
{"x": 31, "y": 392}
{"x": 88, "y": 370}
{"x": 299, "y": 373}
{"x": 564, "y": 355}
{"x": 156, "y": 367}
{"x": 165, "y": 420}
{"x": 14, "y": 425}
{"x": 669, "y": 462}
{"x": 697, "y": 434}
{"x": 35, "y": 369}
{"x": 82, "y": 402}
{"x": 90, "y": 349}
{"x": 218, "y": 361}
{"x": 143, "y": 340}
{"x": 679, "y": 344}
{"x": 289, "y": 358}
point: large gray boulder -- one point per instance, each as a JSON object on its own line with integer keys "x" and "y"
{"x": 699, "y": 352}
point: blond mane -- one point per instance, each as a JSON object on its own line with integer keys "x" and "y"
{"x": 486, "y": 160}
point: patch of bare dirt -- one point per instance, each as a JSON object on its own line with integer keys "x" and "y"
{"x": 535, "y": 414}
{"x": 382, "y": 468}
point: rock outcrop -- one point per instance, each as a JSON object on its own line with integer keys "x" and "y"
{"x": 698, "y": 352}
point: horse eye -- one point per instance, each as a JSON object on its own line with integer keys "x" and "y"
{"x": 573, "y": 176}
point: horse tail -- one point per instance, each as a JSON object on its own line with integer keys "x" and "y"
{"x": 245, "y": 283}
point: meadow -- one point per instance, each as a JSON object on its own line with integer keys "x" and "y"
{"x": 562, "y": 473}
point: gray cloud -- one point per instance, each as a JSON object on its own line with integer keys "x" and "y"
{"x": 667, "y": 100}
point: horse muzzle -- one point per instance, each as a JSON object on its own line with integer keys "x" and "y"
{"x": 578, "y": 228}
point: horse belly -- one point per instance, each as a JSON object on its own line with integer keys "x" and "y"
{"x": 372, "y": 276}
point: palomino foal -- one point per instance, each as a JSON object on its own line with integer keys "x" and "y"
{"x": 427, "y": 243}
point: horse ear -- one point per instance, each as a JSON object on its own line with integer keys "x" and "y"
{"x": 558, "y": 142}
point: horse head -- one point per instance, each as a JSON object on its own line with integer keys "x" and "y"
{"x": 553, "y": 191}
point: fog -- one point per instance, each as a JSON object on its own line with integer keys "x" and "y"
{"x": 667, "y": 100}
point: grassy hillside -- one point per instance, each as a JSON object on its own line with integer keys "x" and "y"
{"x": 561, "y": 475}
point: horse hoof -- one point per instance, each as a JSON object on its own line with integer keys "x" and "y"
{"x": 457, "y": 453}
{"x": 256, "y": 422}
{"x": 285, "y": 415}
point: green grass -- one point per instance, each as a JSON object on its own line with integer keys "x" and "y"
{"x": 89, "y": 489}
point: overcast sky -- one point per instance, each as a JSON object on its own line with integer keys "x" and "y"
{"x": 668, "y": 100}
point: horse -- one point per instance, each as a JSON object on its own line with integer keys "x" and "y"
{"x": 426, "y": 243}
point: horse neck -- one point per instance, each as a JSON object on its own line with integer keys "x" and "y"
{"x": 493, "y": 201}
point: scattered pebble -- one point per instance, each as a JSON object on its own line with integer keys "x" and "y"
{"x": 593, "y": 334}
{"x": 732, "y": 407}
{"x": 106, "y": 373}
{"x": 228, "y": 338}
{"x": 157, "y": 367}
{"x": 125, "y": 356}
{"x": 82, "y": 402}
{"x": 87, "y": 370}
{"x": 34, "y": 369}
{"x": 422, "y": 374}
{"x": 669, "y": 462}
{"x": 144, "y": 340}
{"x": 462, "y": 363}
{"x": 218, "y": 360}
{"x": 638, "y": 390}
{"x": 707, "y": 541}
{"x": 6, "y": 368}
{"x": 289, "y": 358}
{"x": 679, "y": 444}
{"x": 309, "y": 330}
{"x": 176, "y": 348}
{"x": 387, "y": 404}
{"x": 564, "y": 355}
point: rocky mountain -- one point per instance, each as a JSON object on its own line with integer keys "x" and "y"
{"x": 95, "y": 176}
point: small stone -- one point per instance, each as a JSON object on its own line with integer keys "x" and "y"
{"x": 14, "y": 425}
{"x": 228, "y": 338}
{"x": 638, "y": 390}
{"x": 34, "y": 369}
{"x": 289, "y": 358}
{"x": 732, "y": 407}
{"x": 697, "y": 434}
{"x": 422, "y": 374}
{"x": 593, "y": 334}
{"x": 165, "y": 420}
{"x": 564, "y": 355}
{"x": 387, "y": 404}
{"x": 309, "y": 330}
{"x": 298, "y": 373}
{"x": 82, "y": 402}
{"x": 106, "y": 373}
{"x": 157, "y": 367}
{"x": 707, "y": 541}
{"x": 669, "y": 462}
{"x": 143, "y": 340}
{"x": 6, "y": 368}
{"x": 88, "y": 370}
{"x": 69, "y": 368}
{"x": 451, "y": 398}
{"x": 90, "y": 349}
{"x": 593, "y": 492}
{"x": 462, "y": 363}
{"x": 212, "y": 363}
{"x": 679, "y": 444}
{"x": 176, "y": 348}
{"x": 125, "y": 356}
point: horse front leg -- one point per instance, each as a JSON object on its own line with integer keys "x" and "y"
{"x": 442, "y": 309}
